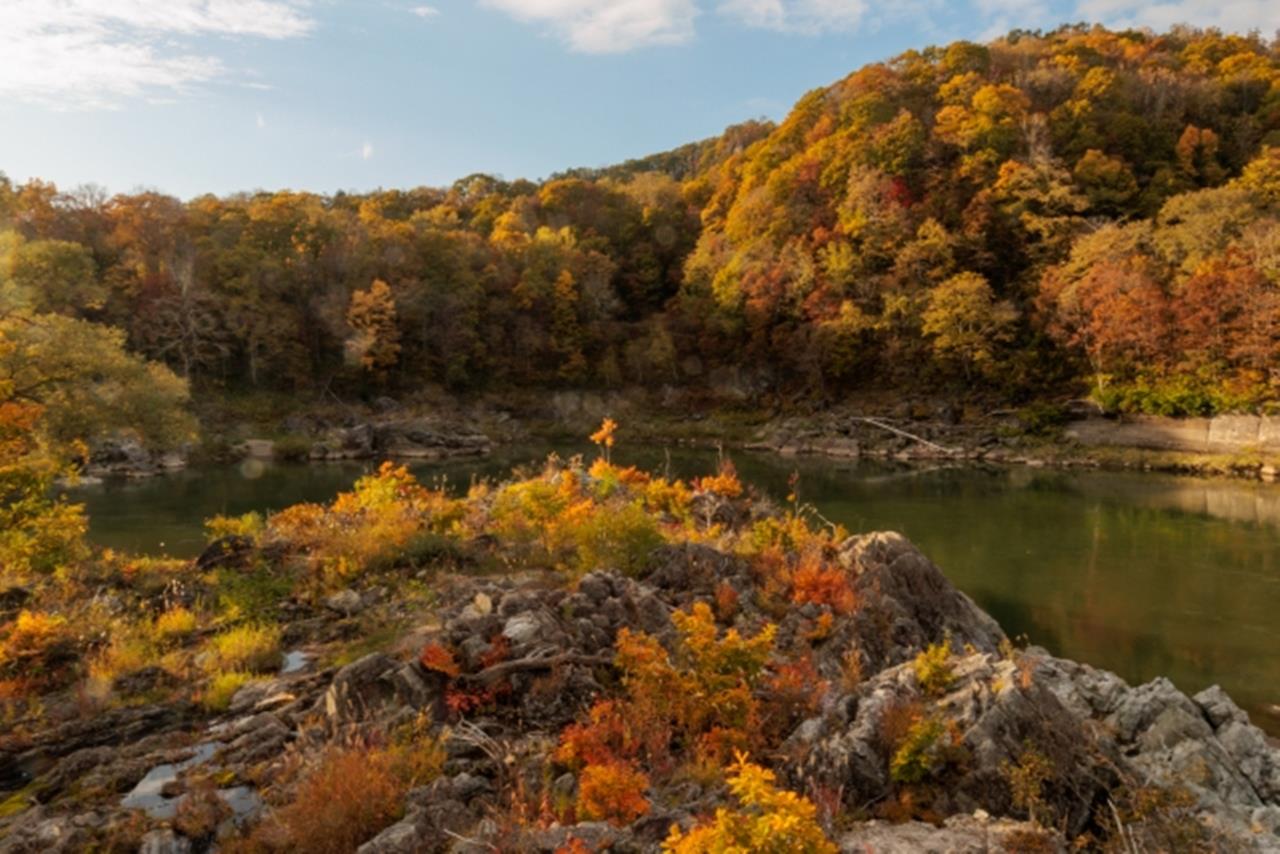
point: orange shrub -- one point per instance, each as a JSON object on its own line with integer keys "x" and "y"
{"x": 435, "y": 656}
{"x": 822, "y": 585}
{"x": 794, "y": 692}
{"x": 352, "y": 794}
{"x": 724, "y": 483}
{"x": 612, "y": 791}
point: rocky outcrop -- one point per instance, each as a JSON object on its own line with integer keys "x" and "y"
{"x": 125, "y": 457}
{"x": 962, "y": 834}
{"x": 529, "y": 657}
{"x": 401, "y": 439}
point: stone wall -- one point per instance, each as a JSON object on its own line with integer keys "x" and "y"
{"x": 1223, "y": 434}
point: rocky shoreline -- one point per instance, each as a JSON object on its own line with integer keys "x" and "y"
{"x": 1202, "y": 770}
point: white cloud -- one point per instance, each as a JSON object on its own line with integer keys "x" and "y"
{"x": 1232, "y": 15}
{"x": 95, "y": 53}
{"x": 366, "y": 151}
{"x": 800, "y": 16}
{"x": 262, "y": 122}
{"x": 607, "y": 26}
{"x": 425, "y": 11}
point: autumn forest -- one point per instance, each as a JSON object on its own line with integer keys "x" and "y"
{"x": 1073, "y": 212}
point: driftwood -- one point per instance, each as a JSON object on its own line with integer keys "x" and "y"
{"x": 876, "y": 422}
{"x": 503, "y": 669}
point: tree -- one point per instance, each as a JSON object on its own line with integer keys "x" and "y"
{"x": 566, "y": 330}
{"x": 1107, "y": 182}
{"x": 47, "y": 275}
{"x": 87, "y": 384}
{"x": 39, "y": 533}
{"x": 375, "y": 340}
{"x": 967, "y": 323}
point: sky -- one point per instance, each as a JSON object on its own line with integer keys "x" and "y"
{"x": 195, "y": 96}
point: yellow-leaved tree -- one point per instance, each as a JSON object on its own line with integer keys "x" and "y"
{"x": 375, "y": 340}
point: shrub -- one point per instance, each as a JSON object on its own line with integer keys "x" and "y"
{"x": 254, "y": 648}
{"x": 724, "y": 483}
{"x": 612, "y": 791}
{"x": 31, "y": 637}
{"x": 222, "y": 687}
{"x": 174, "y": 624}
{"x": 616, "y": 538}
{"x": 1026, "y": 779}
{"x": 918, "y": 755}
{"x": 249, "y": 525}
{"x": 368, "y": 527}
{"x": 933, "y": 668}
{"x": 822, "y": 585}
{"x": 351, "y": 795}
{"x": 130, "y": 650}
{"x": 768, "y": 820}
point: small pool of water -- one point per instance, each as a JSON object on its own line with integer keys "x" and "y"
{"x": 149, "y": 793}
{"x": 1141, "y": 574}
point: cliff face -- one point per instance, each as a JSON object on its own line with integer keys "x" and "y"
{"x": 1020, "y": 736}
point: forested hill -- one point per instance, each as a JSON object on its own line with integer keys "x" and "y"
{"x": 1058, "y": 212}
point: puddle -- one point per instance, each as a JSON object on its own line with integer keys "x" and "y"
{"x": 295, "y": 661}
{"x": 148, "y": 794}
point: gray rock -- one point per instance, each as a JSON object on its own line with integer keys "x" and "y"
{"x": 164, "y": 842}
{"x": 962, "y": 834}
{"x": 360, "y": 690}
{"x": 524, "y": 628}
{"x": 403, "y": 837}
{"x": 1219, "y": 708}
{"x": 345, "y": 602}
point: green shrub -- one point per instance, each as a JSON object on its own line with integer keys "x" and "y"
{"x": 621, "y": 539}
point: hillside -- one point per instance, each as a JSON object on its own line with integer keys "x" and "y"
{"x": 1051, "y": 213}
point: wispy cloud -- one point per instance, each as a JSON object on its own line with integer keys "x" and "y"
{"x": 616, "y": 26}
{"x": 1233, "y": 15}
{"x": 366, "y": 151}
{"x": 261, "y": 121}
{"x": 800, "y": 16}
{"x": 97, "y": 53}
{"x": 425, "y": 11}
{"x": 607, "y": 26}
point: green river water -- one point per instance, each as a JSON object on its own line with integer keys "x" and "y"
{"x": 1142, "y": 574}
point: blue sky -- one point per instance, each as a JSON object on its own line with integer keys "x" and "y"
{"x": 192, "y": 96}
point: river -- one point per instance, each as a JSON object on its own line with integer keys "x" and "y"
{"x": 1142, "y": 574}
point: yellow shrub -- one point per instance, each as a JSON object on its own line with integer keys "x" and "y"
{"x": 222, "y": 687}
{"x": 30, "y": 635}
{"x": 249, "y": 525}
{"x": 174, "y": 624}
{"x": 368, "y": 526}
{"x": 769, "y": 820}
{"x": 250, "y": 648}
{"x": 127, "y": 652}
{"x": 933, "y": 668}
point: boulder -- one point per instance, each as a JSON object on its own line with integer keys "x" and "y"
{"x": 962, "y": 834}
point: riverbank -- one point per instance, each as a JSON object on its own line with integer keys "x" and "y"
{"x": 433, "y": 425}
